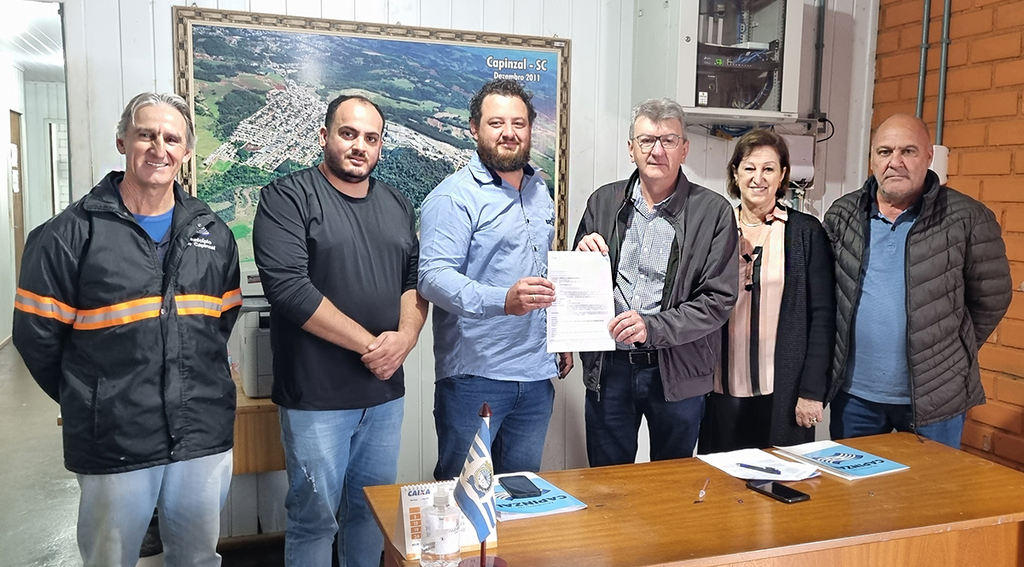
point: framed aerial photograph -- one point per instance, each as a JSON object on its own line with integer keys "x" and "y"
{"x": 259, "y": 85}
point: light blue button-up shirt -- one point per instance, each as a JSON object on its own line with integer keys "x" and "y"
{"x": 479, "y": 236}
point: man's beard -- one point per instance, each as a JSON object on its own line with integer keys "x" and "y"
{"x": 334, "y": 163}
{"x": 504, "y": 161}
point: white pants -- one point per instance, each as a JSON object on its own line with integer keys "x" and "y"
{"x": 115, "y": 511}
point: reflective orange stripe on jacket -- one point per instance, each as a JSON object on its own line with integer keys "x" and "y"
{"x": 126, "y": 312}
{"x": 47, "y": 307}
{"x": 231, "y": 300}
{"x": 118, "y": 314}
{"x": 197, "y": 304}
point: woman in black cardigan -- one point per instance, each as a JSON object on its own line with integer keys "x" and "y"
{"x": 777, "y": 345}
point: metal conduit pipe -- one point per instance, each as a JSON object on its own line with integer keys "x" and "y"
{"x": 819, "y": 57}
{"x": 923, "y": 69}
{"x": 942, "y": 72}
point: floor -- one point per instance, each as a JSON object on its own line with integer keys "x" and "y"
{"x": 39, "y": 497}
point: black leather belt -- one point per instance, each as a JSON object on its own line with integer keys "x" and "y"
{"x": 638, "y": 357}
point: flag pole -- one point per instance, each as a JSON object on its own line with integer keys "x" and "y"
{"x": 485, "y": 411}
{"x": 482, "y": 561}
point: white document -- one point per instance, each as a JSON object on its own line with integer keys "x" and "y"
{"x": 759, "y": 465}
{"x": 578, "y": 319}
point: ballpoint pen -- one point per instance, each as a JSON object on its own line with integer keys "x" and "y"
{"x": 703, "y": 491}
{"x": 769, "y": 470}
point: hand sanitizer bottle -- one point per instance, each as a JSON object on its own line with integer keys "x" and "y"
{"x": 440, "y": 544}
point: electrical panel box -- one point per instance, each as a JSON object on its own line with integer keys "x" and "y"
{"x": 724, "y": 61}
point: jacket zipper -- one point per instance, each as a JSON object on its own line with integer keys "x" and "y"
{"x": 906, "y": 301}
{"x": 614, "y": 236}
{"x": 149, "y": 240}
{"x": 186, "y": 224}
{"x": 141, "y": 232}
{"x": 861, "y": 271}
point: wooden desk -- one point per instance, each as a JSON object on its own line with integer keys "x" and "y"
{"x": 257, "y": 434}
{"x": 949, "y": 508}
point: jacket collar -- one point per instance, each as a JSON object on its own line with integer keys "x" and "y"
{"x": 676, "y": 201}
{"x": 932, "y": 188}
{"x": 106, "y": 197}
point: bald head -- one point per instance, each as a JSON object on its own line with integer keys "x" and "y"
{"x": 901, "y": 151}
{"x": 906, "y": 122}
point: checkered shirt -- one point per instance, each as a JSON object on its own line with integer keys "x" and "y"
{"x": 643, "y": 259}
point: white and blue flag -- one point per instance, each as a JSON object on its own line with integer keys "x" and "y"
{"x": 474, "y": 493}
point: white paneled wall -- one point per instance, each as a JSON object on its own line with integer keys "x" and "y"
{"x": 44, "y": 103}
{"x": 116, "y": 49}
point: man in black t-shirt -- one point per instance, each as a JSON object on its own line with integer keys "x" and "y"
{"x": 337, "y": 253}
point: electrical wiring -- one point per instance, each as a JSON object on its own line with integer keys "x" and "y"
{"x": 830, "y": 134}
{"x": 732, "y": 131}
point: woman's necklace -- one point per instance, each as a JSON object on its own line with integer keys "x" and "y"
{"x": 758, "y": 221}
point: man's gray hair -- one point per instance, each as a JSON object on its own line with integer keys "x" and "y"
{"x": 658, "y": 110}
{"x": 151, "y": 99}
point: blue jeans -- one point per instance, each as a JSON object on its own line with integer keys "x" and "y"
{"x": 629, "y": 392}
{"x": 115, "y": 510}
{"x": 853, "y": 416}
{"x": 330, "y": 457}
{"x": 520, "y": 412}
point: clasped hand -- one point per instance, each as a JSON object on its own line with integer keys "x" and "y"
{"x": 386, "y": 354}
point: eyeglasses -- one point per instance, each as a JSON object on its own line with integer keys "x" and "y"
{"x": 668, "y": 141}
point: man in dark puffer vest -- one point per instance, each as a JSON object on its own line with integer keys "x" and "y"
{"x": 922, "y": 280}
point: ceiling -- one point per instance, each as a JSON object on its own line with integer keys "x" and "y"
{"x": 30, "y": 32}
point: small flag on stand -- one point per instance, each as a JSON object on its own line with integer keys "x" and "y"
{"x": 474, "y": 492}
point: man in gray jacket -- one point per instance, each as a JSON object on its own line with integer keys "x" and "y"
{"x": 922, "y": 280}
{"x": 672, "y": 248}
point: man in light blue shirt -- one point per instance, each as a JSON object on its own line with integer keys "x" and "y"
{"x": 485, "y": 232}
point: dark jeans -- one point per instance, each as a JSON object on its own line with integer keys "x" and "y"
{"x": 629, "y": 392}
{"x": 520, "y": 412}
{"x": 856, "y": 417}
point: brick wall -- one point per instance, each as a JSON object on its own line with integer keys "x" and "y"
{"x": 984, "y": 130}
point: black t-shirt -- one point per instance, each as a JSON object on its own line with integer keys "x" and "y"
{"x": 312, "y": 241}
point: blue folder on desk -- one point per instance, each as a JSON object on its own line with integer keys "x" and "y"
{"x": 552, "y": 500}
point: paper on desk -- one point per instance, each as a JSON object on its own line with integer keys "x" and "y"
{"x": 727, "y": 462}
{"x": 578, "y": 319}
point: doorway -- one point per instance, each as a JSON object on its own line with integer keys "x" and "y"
{"x": 16, "y": 183}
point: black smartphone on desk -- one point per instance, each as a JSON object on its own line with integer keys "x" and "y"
{"x": 780, "y": 492}
{"x": 519, "y": 486}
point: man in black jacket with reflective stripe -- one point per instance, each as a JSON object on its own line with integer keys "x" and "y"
{"x": 922, "y": 280}
{"x": 122, "y": 315}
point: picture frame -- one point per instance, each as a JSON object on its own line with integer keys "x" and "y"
{"x": 259, "y": 84}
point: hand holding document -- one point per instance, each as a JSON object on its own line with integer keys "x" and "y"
{"x": 578, "y": 320}
{"x": 755, "y": 464}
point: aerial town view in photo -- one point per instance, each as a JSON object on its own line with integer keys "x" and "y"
{"x": 261, "y": 96}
